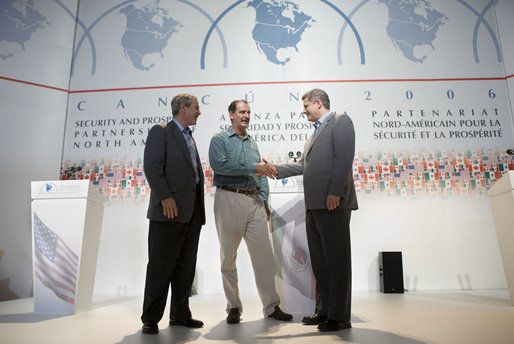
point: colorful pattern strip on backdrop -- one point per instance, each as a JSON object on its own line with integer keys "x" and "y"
{"x": 380, "y": 174}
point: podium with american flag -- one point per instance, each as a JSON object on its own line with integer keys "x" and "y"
{"x": 66, "y": 224}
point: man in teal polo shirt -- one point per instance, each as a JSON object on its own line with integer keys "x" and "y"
{"x": 241, "y": 211}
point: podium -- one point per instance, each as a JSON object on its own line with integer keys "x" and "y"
{"x": 296, "y": 283}
{"x": 501, "y": 197}
{"x": 66, "y": 223}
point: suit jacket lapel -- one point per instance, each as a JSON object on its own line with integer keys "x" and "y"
{"x": 178, "y": 136}
{"x": 308, "y": 145}
{"x": 317, "y": 134}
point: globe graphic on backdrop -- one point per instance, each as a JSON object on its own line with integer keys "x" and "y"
{"x": 281, "y": 25}
{"x": 18, "y": 22}
{"x": 147, "y": 31}
{"x": 278, "y": 25}
{"x": 412, "y": 26}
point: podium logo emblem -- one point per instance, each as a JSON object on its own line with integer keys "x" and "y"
{"x": 48, "y": 187}
{"x": 297, "y": 259}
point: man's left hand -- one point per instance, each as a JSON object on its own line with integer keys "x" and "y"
{"x": 333, "y": 202}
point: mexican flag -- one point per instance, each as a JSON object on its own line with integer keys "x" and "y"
{"x": 290, "y": 246}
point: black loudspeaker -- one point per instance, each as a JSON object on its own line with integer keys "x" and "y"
{"x": 391, "y": 272}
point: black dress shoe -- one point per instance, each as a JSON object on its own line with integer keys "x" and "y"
{"x": 279, "y": 315}
{"x": 234, "y": 316}
{"x": 150, "y": 328}
{"x": 334, "y": 325}
{"x": 314, "y": 319}
{"x": 187, "y": 322}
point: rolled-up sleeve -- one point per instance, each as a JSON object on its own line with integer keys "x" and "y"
{"x": 219, "y": 152}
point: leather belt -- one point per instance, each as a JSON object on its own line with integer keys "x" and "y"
{"x": 241, "y": 191}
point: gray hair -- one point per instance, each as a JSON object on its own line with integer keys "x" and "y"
{"x": 179, "y": 99}
{"x": 317, "y": 94}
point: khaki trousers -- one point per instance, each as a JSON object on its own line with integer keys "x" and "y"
{"x": 240, "y": 216}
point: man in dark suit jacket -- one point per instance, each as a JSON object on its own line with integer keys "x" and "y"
{"x": 330, "y": 197}
{"x": 176, "y": 213}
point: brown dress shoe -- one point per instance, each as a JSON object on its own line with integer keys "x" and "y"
{"x": 150, "y": 328}
{"x": 279, "y": 315}
{"x": 187, "y": 322}
{"x": 334, "y": 325}
{"x": 314, "y": 319}
{"x": 234, "y": 316}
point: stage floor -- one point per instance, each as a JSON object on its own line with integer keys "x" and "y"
{"x": 411, "y": 318}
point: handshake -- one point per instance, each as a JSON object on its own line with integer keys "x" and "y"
{"x": 264, "y": 168}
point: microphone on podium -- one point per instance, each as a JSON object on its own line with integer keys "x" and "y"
{"x": 292, "y": 156}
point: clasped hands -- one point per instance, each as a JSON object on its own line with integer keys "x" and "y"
{"x": 264, "y": 168}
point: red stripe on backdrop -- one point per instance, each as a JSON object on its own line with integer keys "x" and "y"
{"x": 255, "y": 83}
{"x": 33, "y": 84}
{"x": 291, "y": 82}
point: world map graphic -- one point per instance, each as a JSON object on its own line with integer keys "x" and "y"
{"x": 18, "y": 21}
{"x": 412, "y": 23}
{"x": 147, "y": 31}
{"x": 279, "y": 25}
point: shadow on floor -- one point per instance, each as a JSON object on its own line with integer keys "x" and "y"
{"x": 31, "y": 317}
{"x": 262, "y": 331}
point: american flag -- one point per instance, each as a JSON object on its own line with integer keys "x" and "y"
{"x": 55, "y": 263}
